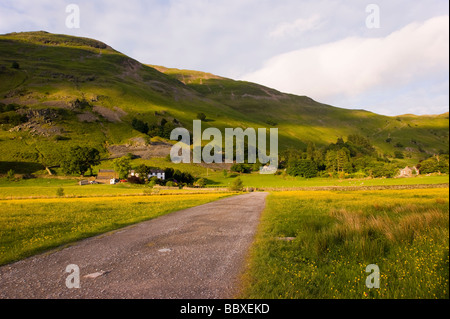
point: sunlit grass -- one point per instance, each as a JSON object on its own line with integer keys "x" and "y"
{"x": 335, "y": 235}
{"x": 279, "y": 181}
{"x": 47, "y": 187}
{"x": 33, "y": 225}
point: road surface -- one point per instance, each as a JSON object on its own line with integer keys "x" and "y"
{"x": 195, "y": 253}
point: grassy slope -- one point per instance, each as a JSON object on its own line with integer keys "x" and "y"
{"x": 55, "y": 70}
{"x": 301, "y": 118}
{"x": 60, "y": 72}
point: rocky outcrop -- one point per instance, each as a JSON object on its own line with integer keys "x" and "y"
{"x": 39, "y": 122}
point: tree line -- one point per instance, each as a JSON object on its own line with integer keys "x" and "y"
{"x": 355, "y": 157}
{"x": 162, "y": 129}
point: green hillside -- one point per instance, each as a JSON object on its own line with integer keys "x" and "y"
{"x": 301, "y": 118}
{"x": 57, "y": 91}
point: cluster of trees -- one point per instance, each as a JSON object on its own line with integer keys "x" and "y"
{"x": 139, "y": 125}
{"x": 82, "y": 104}
{"x": 172, "y": 177}
{"x": 178, "y": 177}
{"x": 355, "y": 157}
{"x": 122, "y": 165}
{"x": 161, "y": 129}
{"x": 8, "y": 114}
{"x": 80, "y": 159}
{"x": 436, "y": 163}
{"x": 245, "y": 168}
{"x": 8, "y": 107}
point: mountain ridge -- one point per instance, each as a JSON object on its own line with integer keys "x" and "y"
{"x": 94, "y": 92}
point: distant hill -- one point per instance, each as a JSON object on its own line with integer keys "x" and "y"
{"x": 57, "y": 91}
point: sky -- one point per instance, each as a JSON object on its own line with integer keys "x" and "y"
{"x": 390, "y": 57}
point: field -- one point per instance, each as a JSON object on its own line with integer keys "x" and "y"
{"x": 317, "y": 244}
{"x": 285, "y": 181}
{"x": 30, "y": 226}
{"x": 48, "y": 187}
{"x": 310, "y": 244}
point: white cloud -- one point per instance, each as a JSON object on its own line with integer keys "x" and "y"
{"x": 337, "y": 59}
{"x": 296, "y": 28}
{"x": 354, "y": 66}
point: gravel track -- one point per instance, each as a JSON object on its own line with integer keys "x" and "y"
{"x": 196, "y": 253}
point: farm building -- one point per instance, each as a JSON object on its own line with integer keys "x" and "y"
{"x": 408, "y": 172}
{"x": 267, "y": 169}
{"x": 159, "y": 173}
{"x": 104, "y": 176}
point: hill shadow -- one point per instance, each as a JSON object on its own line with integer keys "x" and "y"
{"x": 20, "y": 167}
{"x": 210, "y": 182}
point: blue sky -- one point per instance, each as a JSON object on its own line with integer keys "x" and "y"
{"x": 319, "y": 48}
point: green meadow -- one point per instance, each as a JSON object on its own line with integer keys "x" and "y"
{"x": 48, "y": 187}
{"x": 310, "y": 243}
{"x": 257, "y": 180}
{"x": 317, "y": 245}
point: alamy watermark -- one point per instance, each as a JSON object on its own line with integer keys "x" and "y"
{"x": 73, "y": 280}
{"x": 73, "y": 19}
{"x": 373, "y": 19}
{"x": 256, "y": 148}
{"x": 373, "y": 280}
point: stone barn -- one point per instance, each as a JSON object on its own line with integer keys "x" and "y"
{"x": 104, "y": 176}
{"x": 408, "y": 172}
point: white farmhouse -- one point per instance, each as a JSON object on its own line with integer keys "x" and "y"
{"x": 159, "y": 173}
